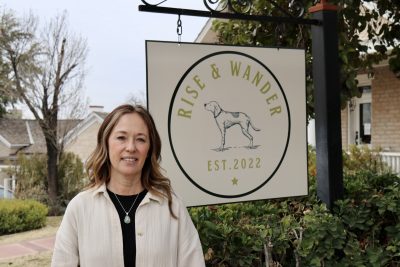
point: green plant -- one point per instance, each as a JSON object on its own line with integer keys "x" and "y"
{"x": 32, "y": 183}
{"x": 364, "y": 158}
{"x": 72, "y": 176}
{"x": 363, "y": 229}
{"x": 31, "y": 177}
{"x": 21, "y": 215}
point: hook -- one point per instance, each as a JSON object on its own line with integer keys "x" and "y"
{"x": 179, "y": 28}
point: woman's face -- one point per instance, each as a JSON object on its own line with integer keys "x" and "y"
{"x": 128, "y": 146}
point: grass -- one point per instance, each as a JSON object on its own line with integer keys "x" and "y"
{"x": 50, "y": 229}
{"x": 34, "y": 260}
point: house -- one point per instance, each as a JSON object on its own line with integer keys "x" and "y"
{"x": 81, "y": 140}
{"x": 25, "y": 136}
{"x": 373, "y": 119}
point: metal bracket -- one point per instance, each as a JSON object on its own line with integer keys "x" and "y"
{"x": 236, "y": 9}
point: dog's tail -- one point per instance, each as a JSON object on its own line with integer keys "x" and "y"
{"x": 254, "y": 128}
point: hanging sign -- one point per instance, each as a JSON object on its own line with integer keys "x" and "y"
{"x": 232, "y": 120}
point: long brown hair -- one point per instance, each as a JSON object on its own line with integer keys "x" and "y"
{"x": 98, "y": 166}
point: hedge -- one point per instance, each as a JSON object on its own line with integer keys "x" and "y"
{"x": 21, "y": 215}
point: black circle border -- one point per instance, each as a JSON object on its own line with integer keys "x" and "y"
{"x": 170, "y": 115}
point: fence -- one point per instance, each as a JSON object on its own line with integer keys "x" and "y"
{"x": 393, "y": 160}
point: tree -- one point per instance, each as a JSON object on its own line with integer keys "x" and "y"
{"x": 137, "y": 98}
{"x": 364, "y": 26}
{"x": 4, "y": 102}
{"x": 5, "y": 98}
{"x": 47, "y": 70}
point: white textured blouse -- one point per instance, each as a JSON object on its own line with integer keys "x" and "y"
{"x": 90, "y": 234}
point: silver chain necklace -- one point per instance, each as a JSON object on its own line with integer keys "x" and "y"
{"x": 127, "y": 219}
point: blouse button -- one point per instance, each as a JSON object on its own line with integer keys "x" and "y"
{"x": 139, "y": 233}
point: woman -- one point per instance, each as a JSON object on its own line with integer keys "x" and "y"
{"x": 129, "y": 215}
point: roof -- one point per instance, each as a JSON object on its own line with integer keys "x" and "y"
{"x": 103, "y": 115}
{"x": 14, "y": 132}
{"x": 93, "y": 117}
{"x": 27, "y": 134}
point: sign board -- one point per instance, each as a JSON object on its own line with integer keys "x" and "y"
{"x": 232, "y": 120}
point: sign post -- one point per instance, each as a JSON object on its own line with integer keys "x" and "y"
{"x": 325, "y": 73}
{"x": 327, "y": 103}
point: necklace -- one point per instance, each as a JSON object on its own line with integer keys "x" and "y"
{"x": 127, "y": 219}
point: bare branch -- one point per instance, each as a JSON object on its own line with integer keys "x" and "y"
{"x": 46, "y": 73}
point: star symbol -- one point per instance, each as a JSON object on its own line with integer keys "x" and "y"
{"x": 234, "y": 181}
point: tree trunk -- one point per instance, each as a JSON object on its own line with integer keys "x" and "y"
{"x": 52, "y": 177}
{"x": 50, "y": 134}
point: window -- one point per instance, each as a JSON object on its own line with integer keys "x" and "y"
{"x": 360, "y": 117}
{"x": 365, "y": 89}
{"x": 365, "y": 123}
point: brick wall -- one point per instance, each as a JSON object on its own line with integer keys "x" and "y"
{"x": 386, "y": 110}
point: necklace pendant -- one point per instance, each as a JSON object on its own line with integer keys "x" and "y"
{"x": 127, "y": 219}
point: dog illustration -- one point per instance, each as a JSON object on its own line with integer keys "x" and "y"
{"x": 226, "y": 119}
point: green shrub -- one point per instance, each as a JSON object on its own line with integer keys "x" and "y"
{"x": 31, "y": 173}
{"x": 21, "y": 215}
{"x": 364, "y": 158}
{"x": 72, "y": 177}
{"x": 363, "y": 229}
{"x": 31, "y": 177}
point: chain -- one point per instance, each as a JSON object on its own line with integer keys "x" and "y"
{"x": 279, "y": 32}
{"x": 126, "y": 212}
{"x": 179, "y": 28}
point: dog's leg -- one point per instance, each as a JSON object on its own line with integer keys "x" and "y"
{"x": 245, "y": 131}
{"x": 223, "y": 132}
{"x": 249, "y": 136}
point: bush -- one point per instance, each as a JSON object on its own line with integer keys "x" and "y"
{"x": 364, "y": 158}
{"x": 31, "y": 173}
{"x": 21, "y": 215}
{"x": 362, "y": 230}
{"x": 71, "y": 176}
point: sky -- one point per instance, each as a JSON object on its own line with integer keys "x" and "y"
{"x": 116, "y": 32}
